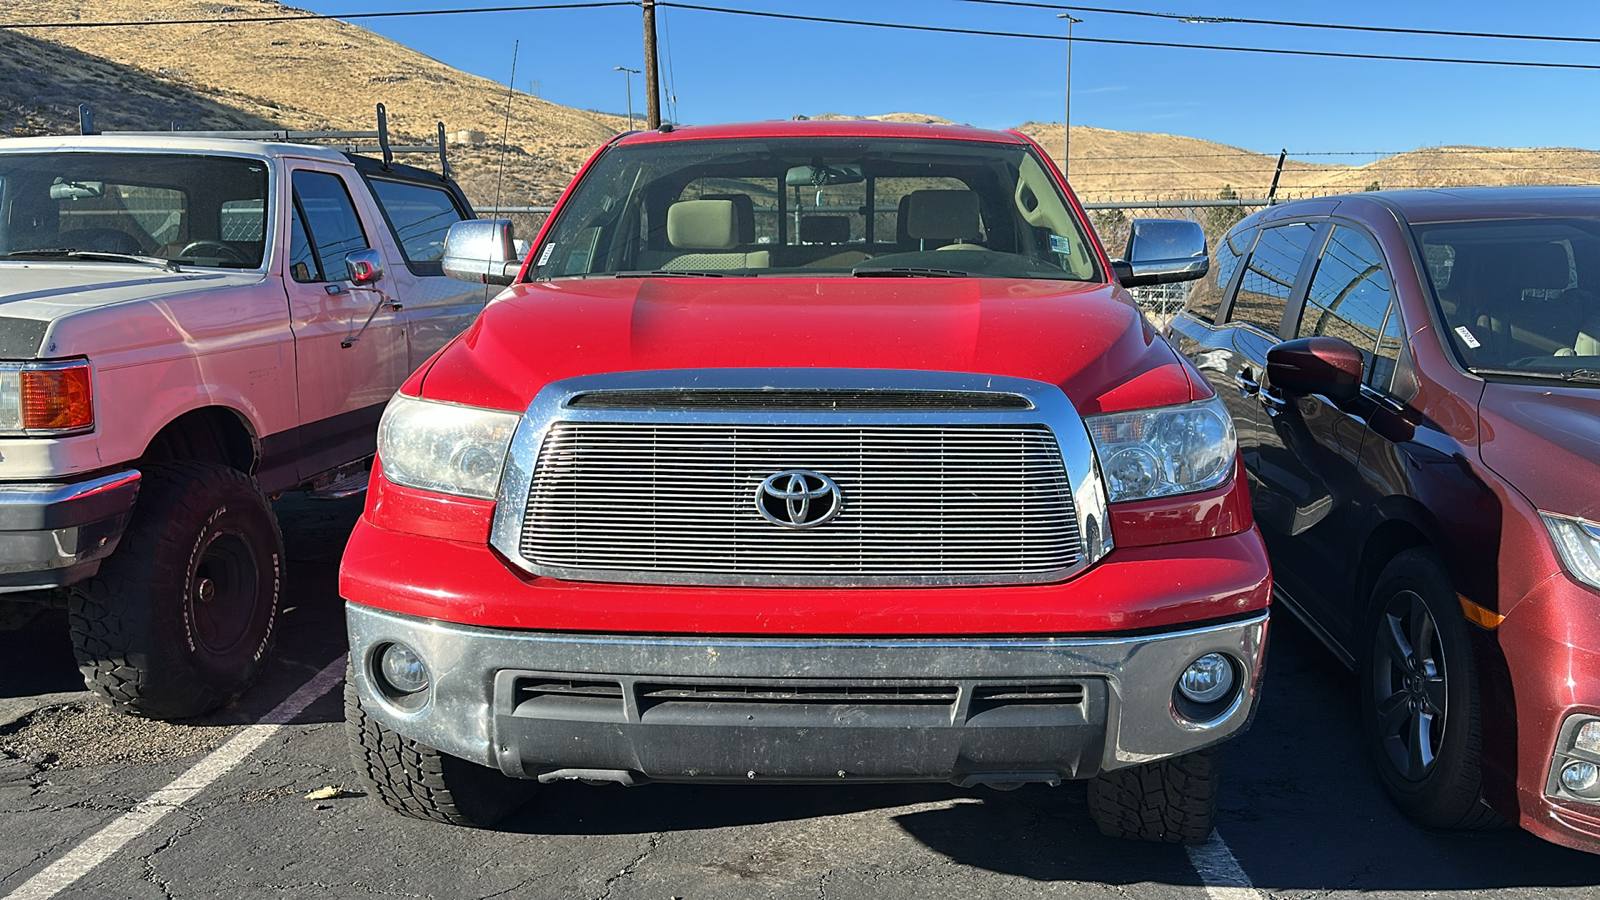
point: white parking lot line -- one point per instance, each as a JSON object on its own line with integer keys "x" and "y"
{"x": 60, "y": 874}
{"x": 1220, "y": 871}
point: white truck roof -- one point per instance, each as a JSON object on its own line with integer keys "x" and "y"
{"x": 164, "y": 142}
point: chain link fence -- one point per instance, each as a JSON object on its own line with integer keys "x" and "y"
{"x": 1112, "y": 221}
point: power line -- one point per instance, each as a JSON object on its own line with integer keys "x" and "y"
{"x": 311, "y": 17}
{"x": 1236, "y": 20}
{"x": 1124, "y": 42}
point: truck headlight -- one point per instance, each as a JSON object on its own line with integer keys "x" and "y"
{"x": 444, "y": 447}
{"x": 1168, "y": 450}
{"x": 1578, "y": 541}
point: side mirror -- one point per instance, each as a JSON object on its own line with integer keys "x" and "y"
{"x": 363, "y": 267}
{"x": 1161, "y": 251}
{"x": 482, "y": 251}
{"x": 1316, "y": 365}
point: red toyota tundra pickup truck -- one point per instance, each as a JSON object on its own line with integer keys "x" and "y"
{"x": 817, "y": 452}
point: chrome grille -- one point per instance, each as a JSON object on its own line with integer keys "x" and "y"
{"x": 935, "y": 504}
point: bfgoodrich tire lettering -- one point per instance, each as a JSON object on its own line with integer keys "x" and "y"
{"x": 422, "y": 783}
{"x": 1419, "y": 695}
{"x": 1171, "y": 801}
{"x": 180, "y": 619}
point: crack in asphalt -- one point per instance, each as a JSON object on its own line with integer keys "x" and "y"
{"x": 655, "y": 841}
{"x": 148, "y": 859}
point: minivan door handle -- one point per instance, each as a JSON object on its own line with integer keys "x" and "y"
{"x": 1247, "y": 385}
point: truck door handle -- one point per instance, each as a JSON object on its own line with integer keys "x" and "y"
{"x": 1247, "y": 385}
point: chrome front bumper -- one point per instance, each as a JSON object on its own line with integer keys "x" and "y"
{"x": 56, "y": 534}
{"x": 678, "y": 708}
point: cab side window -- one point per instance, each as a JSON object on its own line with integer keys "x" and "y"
{"x": 325, "y": 213}
{"x": 1350, "y": 298}
{"x": 1269, "y": 276}
{"x": 420, "y": 217}
{"x": 1205, "y": 300}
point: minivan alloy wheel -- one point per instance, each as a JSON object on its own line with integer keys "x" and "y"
{"x": 1409, "y": 690}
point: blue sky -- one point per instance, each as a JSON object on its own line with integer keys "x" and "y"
{"x": 729, "y": 68}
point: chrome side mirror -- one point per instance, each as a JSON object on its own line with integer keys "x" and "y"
{"x": 363, "y": 267}
{"x": 482, "y": 251}
{"x": 1161, "y": 251}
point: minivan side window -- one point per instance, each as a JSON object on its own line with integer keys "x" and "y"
{"x": 1269, "y": 276}
{"x": 1349, "y": 295}
{"x": 1206, "y": 297}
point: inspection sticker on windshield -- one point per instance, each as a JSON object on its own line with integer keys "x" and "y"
{"x": 544, "y": 256}
{"x": 1059, "y": 244}
{"x": 1467, "y": 338}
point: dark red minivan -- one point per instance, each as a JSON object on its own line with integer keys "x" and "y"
{"x": 1415, "y": 380}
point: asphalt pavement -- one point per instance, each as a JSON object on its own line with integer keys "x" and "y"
{"x": 97, "y": 805}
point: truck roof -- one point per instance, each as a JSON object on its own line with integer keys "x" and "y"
{"x": 865, "y": 128}
{"x": 175, "y": 142}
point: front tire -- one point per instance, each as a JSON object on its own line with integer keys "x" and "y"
{"x": 422, "y": 783}
{"x": 180, "y": 619}
{"x": 1419, "y": 696}
{"x": 1170, "y": 801}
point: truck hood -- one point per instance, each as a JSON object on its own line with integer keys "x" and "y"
{"x": 1545, "y": 440}
{"x": 41, "y": 292}
{"x": 1088, "y": 338}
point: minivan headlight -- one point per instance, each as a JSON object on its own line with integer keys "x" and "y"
{"x": 1578, "y": 541}
{"x": 444, "y": 447}
{"x": 1167, "y": 450}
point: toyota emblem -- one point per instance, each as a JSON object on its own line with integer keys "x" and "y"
{"x": 798, "y": 498}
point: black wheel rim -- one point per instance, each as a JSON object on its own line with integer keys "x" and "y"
{"x": 1409, "y": 686}
{"x": 222, "y": 593}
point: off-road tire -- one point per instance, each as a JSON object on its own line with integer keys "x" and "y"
{"x": 422, "y": 783}
{"x": 1172, "y": 801}
{"x": 1450, "y": 793}
{"x": 154, "y": 633}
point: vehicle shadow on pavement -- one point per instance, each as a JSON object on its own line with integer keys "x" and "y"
{"x": 37, "y": 658}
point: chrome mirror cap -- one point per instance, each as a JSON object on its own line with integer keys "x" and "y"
{"x": 482, "y": 251}
{"x": 364, "y": 267}
{"x": 1162, "y": 251}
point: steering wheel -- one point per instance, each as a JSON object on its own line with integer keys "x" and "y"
{"x": 223, "y": 249}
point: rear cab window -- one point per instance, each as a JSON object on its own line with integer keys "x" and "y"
{"x": 419, "y": 216}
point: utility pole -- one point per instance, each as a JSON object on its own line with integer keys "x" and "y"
{"x": 1066, "y": 124}
{"x": 652, "y": 70}
{"x": 627, "y": 75}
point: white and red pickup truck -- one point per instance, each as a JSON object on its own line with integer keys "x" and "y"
{"x": 191, "y": 324}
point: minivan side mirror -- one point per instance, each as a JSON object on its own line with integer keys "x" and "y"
{"x": 482, "y": 251}
{"x": 1161, "y": 251}
{"x": 1316, "y": 365}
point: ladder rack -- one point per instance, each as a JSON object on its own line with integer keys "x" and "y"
{"x": 287, "y": 136}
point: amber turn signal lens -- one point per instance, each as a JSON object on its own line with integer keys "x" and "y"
{"x": 57, "y": 399}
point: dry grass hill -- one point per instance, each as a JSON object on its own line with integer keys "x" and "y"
{"x": 301, "y": 75}
{"x": 325, "y": 74}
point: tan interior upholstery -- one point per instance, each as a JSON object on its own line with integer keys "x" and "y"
{"x": 704, "y": 235}
{"x": 1588, "y": 342}
{"x": 943, "y": 216}
{"x": 744, "y": 215}
{"x": 702, "y": 225}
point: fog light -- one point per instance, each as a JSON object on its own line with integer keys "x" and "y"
{"x": 1588, "y": 738}
{"x": 403, "y": 669}
{"x": 1580, "y": 777}
{"x": 1208, "y": 679}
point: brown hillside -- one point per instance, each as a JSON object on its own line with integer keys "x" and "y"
{"x": 302, "y": 75}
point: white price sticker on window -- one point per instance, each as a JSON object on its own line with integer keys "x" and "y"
{"x": 544, "y": 255}
{"x": 1467, "y": 338}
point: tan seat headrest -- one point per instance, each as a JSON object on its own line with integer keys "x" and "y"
{"x": 702, "y": 225}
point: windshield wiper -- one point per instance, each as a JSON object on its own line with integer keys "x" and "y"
{"x": 1581, "y": 376}
{"x": 907, "y": 272}
{"x": 96, "y": 255}
{"x": 674, "y": 273}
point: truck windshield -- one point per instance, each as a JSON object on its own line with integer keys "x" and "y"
{"x": 1519, "y": 296}
{"x": 189, "y": 209}
{"x": 842, "y": 207}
